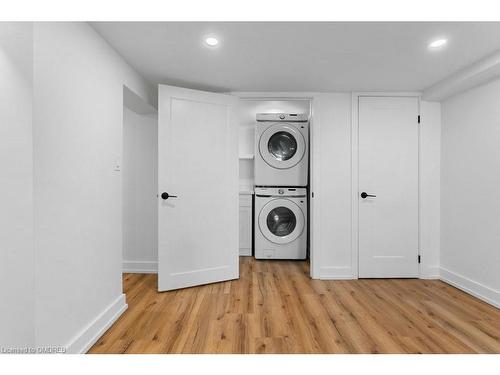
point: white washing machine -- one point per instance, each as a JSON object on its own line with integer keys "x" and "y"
{"x": 280, "y": 223}
{"x": 281, "y": 149}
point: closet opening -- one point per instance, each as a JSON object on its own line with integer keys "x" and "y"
{"x": 274, "y": 150}
{"x": 139, "y": 185}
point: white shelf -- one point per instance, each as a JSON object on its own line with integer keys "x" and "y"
{"x": 246, "y": 157}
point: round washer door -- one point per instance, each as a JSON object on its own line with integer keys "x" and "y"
{"x": 281, "y": 221}
{"x": 282, "y": 146}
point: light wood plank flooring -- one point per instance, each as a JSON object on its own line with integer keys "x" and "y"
{"x": 276, "y": 308}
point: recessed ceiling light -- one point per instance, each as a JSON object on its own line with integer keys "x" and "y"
{"x": 211, "y": 41}
{"x": 438, "y": 43}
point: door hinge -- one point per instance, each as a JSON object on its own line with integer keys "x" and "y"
{"x": 418, "y": 119}
{"x": 419, "y": 259}
{"x": 312, "y": 194}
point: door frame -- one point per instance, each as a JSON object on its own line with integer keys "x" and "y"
{"x": 355, "y": 172}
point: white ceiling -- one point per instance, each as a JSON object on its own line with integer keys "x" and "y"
{"x": 300, "y": 56}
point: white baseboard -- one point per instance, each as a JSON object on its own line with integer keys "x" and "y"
{"x": 472, "y": 287}
{"x": 140, "y": 266}
{"x": 90, "y": 334}
{"x": 429, "y": 273}
{"x": 336, "y": 273}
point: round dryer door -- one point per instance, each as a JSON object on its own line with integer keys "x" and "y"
{"x": 281, "y": 221}
{"x": 282, "y": 146}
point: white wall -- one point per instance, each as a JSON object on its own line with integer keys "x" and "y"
{"x": 331, "y": 176}
{"x": 139, "y": 171}
{"x": 78, "y": 109}
{"x": 16, "y": 186}
{"x": 470, "y": 199}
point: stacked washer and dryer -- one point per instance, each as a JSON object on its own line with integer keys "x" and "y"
{"x": 281, "y": 174}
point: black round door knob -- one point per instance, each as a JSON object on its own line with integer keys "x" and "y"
{"x": 166, "y": 195}
{"x": 364, "y": 195}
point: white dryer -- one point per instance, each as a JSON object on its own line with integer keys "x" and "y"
{"x": 281, "y": 149}
{"x": 280, "y": 223}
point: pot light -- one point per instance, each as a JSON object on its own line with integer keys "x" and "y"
{"x": 211, "y": 41}
{"x": 438, "y": 43}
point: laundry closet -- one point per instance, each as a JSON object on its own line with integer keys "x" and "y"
{"x": 273, "y": 177}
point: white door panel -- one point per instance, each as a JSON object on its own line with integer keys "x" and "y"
{"x": 198, "y": 162}
{"x": 388, "y": 168}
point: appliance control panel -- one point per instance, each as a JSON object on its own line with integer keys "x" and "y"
{"x": 280, "y": 192}
{"x": 286, "y": 117}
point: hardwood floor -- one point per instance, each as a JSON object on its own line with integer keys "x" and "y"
{"x": 276, "y": 308}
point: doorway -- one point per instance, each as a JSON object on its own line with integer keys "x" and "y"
{"x": 388, "y": 192}
{"x": 139, "y": 185}
{"x": 262, "y": 145}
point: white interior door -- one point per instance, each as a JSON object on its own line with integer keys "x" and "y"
{"x": 198, "y": 169}
{"x": 388, "y": 169}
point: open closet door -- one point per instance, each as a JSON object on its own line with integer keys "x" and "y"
{"x": 198, "y": 188}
